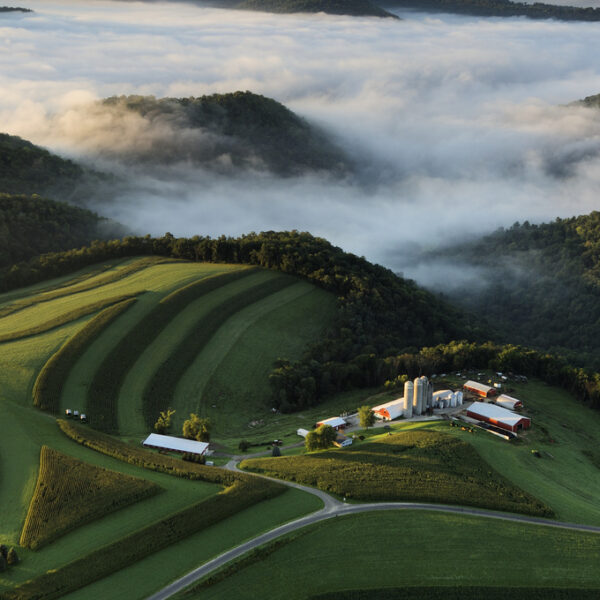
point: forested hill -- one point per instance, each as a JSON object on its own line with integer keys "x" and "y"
{"x": 240, "y": 129}
{"x": 500, "y": 8}
{"x": 5, "y": 9}
{"x": 542, "y": 284}
{"x": 357, "y": 8}
{"x": 590, "y": 101}
{"x": 30, "y": 226}
{"x": 29, "y": 169}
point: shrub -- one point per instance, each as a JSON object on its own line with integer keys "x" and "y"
{"x": 12, "y": 558}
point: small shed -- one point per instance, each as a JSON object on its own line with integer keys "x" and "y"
{"x": 336, "y": 422}
{"x": 341, "y": 441}
{"x": 174, "y": 444}
{"x": 508, "y": 402}
{"x": 302, "y": 432}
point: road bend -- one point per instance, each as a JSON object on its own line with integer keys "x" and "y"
{"x": 334, "y": 508}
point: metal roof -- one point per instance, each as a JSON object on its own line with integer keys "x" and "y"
{"x": 508, "y": 399}
{"x": 333, "y": 422}
{"x": 394, "y": 408}
{"x": 491, "y": 411}
{"x": 168, "y": 442}
{"x": 478, "y": 386}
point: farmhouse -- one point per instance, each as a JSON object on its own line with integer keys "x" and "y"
{"x": 336, "y": 422}
{"x": 480, "y": 389}
{"x": 508, "y": 402}
{"x": 174, "y": 444}
{"x": 496, "y": 415}
{"x": 390, "y": 410}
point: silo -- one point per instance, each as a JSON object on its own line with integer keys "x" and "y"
{"x": 459, "y": 398}
{"x": 409, "y": 392}
{"x": 429, "y": 393}
{"x": 453, "y": 400}
{"x": 418, "y": 397}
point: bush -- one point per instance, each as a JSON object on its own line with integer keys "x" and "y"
{"x": 12, "y": 558}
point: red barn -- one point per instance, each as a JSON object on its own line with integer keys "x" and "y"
{"x": 496, "y": 415}
{"x": 480, "y": 389}
{"x": 336, "y": 422}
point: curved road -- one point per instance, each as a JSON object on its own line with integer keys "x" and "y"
{"x": 334, "y": 508}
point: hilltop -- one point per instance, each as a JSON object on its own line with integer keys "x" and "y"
{"x": 241, "y": 130}
{"x": 501, "y": 8}
{"x": 4, "y": 9}
{"x": 357, "y": 8}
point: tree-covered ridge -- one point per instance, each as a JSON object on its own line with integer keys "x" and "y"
{"x": 249, "y": 130}
{"x": 590, "y": 101}
{"x": 501, "y": 8}
{"x": 28, "y": 169}
{"x": 4, "y": 9}
{"x": 359, "y": 8}
{"x": 30, "y": 226}
{"x": 542, "y": 284}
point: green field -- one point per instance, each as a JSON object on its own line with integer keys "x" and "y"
{"x": 24, "y": 429}
{"x": 412, "y": 548}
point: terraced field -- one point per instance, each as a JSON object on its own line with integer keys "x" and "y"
{"x": 74, "y": 332}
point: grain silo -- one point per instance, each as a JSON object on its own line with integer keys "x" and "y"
{"x": 409, "y": 392}
{"x": 419, "y": 395}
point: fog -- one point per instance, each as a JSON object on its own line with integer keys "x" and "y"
{"x": 459, "y": 124}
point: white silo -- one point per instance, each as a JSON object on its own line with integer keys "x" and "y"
{"x": 459, "y": 398}
{"x": 429, "y": 394}
{"x": 453, "y": 400}
{"x": 418, "y": 396}
{"x": 409, "y": 392}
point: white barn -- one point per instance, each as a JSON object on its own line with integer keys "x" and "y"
{"x": 174, "y": 444}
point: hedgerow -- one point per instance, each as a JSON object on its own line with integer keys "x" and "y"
{"x": 70, "y": 493}
{"x": 104, "y": 391}
{"x": 163, "y": 383}
{"x": 423, "y": 466}
{"x": 50, "y": 380}
{"x": 461, "y": 593}
{"x": 134, "y": 547}
{"x": 147, "y": 459}
{"x": 64, "y": 318}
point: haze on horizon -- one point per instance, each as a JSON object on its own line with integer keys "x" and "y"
{"x": 456, "y": 121}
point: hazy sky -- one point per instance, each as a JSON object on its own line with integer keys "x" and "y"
{"x": 456, "y": 120}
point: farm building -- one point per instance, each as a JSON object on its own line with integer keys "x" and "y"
{"x": 302, "y": 432}
{"x": 174, "y": 444}
{"x": 496, "y": 415}
{"x": 341, "y": 441}
{"x": 336, "y": 422}
{"x": 480, "y": 389}
{"x": 508, "y": 402}
{"x": 390, "y": 410}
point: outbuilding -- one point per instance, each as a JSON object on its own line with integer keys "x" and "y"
{"x": 390, "y": 410}
{"x": 174, "y": 444}
{"x": 479, "y": 389}
{"x": 302, "y": 432}
{"x": 336, "y": 422}
{"x": 341, "y": 441}
{"x": 508, "y": 402}
{"x": 496, "y": 415}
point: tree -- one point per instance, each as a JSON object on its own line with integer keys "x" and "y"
{"x": 3, "y": 564}
{"x": 163, "y": 424}
{"x": 197, "y": 428}
{"x": 276, "y": 451}
{"x": 3, "y": 550}
{"x": 321, "y": 438}
{"x": 366, "y": 417}
{"x": 12, "y": 557}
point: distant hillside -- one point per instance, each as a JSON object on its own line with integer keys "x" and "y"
{"x": 32, "y": 226}
{"x": 357, "y": 8}
{"x": 542, "y": 284}
{"x": 28, "y": 169}
{"x": 5, "y": 9}
{"x": 500, "y": 8}
{"x": 241, "y": 129}
{"x": 590, "y": 101}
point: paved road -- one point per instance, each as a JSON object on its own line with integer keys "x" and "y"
{"x": 334, "y": 508}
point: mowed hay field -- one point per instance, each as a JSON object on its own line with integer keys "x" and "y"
{"x": 24, "y": 429}
{"x": 412, "y": 548}
{"x": 419, "y": 465}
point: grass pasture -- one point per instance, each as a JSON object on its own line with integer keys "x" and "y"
{"x": 420, "y": 465}
{"x": 416, "y": 549}
{"x": 70, "y": 493}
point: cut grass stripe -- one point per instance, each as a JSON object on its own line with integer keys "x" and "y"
{"x": 104, "y": 391}
{"x": 49, "y": 383}
{"x": 91, "y": 281}
{"x": 161, "y": 388}
{"x": 64, "y": 318}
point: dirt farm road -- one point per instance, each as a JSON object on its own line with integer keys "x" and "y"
{"x": 334, "y": 508}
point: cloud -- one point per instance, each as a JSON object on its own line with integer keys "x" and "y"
{"x": 458, "y": 122}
